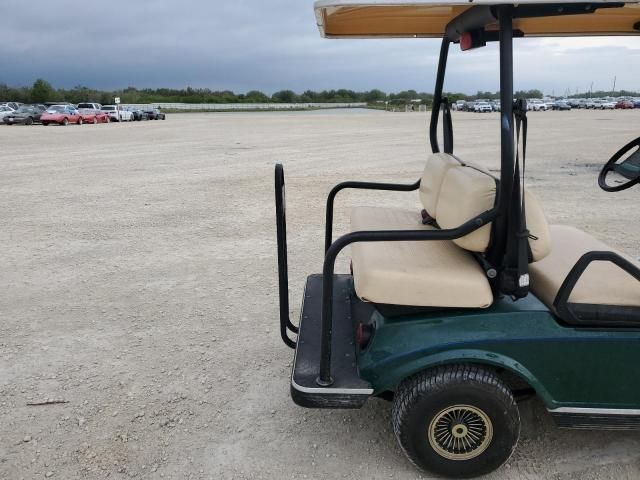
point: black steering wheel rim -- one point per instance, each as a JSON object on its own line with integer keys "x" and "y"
{"x": 609, "y": 166}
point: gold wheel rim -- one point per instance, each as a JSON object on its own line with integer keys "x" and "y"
{"x": 460, "y": 432}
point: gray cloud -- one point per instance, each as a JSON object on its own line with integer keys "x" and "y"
{"x": 254, "y": 44}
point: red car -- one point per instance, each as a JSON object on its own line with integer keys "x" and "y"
{"x": 624, "y": 104}
{"x": 62, "y": 115}
{"x": 90, "y": 115}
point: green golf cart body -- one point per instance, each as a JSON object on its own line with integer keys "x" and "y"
{"x": 458, "y": 309}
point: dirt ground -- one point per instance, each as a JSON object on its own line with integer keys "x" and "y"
{"x": 139, "y": 285}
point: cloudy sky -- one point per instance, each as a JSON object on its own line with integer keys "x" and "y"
{"x": 269, "y": 45}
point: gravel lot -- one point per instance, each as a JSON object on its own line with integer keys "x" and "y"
{"x": 139, "y": 285}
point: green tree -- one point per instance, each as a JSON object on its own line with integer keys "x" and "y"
{"x": 374, "y": 96}
{"x": 254, "y": 96}
{"x": 528, "y": 94}
{"x": 41, "y": 91}
{"x": 284, "y": 96}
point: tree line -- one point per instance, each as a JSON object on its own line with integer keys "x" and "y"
{"x": 43, "y": 91}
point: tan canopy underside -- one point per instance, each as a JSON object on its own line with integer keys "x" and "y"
{"x": 431, "y": 20}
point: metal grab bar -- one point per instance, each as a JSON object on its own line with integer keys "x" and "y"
{"x": 328, "y": 236}
{"x": 283, "y": 270}
{"x": 561, "y": 302}
{"x": 324, "y": 379}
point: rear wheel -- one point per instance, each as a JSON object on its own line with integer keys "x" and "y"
{"x": 44, "y": 124}
{"x": 28, "y": 121}
{"x": 65, "y": 122}
{"x": 457, "y": 421}
{"x": 80, "y": 121}
{"x": 95, "y": 120}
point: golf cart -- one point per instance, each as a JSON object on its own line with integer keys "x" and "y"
{"x": 461, "y": 307}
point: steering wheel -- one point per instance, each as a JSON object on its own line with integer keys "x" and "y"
{"x": 629, "y": 168}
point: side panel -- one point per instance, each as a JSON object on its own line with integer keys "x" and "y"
{"x": 567, "y": 367}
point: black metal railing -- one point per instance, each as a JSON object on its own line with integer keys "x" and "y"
{"x": 283, "y": 270}
{"x": 561, "y": 303}
{"x": 328, "y": 236}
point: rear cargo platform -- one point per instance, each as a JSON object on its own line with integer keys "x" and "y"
{"x": 348, "y": 389}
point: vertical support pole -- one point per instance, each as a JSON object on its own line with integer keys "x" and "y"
{"x": 505, "y": 17}
{"x": 437, "y": 95}
{"x": 324, "y": 378}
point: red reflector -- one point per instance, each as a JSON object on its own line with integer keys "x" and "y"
{"x": 466, "y": 41}
{"x": 363, "y": 335}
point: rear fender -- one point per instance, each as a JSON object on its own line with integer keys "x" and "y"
{"x": 396, "y": 370}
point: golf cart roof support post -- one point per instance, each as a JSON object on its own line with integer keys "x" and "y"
{"x": 505, "y": 15}
{"x": 437, "y": 95}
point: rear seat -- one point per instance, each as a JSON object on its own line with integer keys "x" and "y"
{"x": 422, "y": 274}
{"x": 436, "y": 273}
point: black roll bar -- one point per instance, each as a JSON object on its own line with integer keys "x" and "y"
{"x": 437, "y": 96}
{"x": 328, "y": 236}
{"x": 283, "y": 268}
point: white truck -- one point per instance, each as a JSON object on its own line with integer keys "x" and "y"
{"x": 117, "y": 113}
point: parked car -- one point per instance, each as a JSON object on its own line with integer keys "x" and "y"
{"x": 90, "y": 115}
{"x": 154, "y": 113}
{"x": 62, "y": 115}
{"x": 25, "y": 115}
{"x": 160, "y": 115}
{"x": 459, "y": 105}
{"x": 138, "y": 114}
{"x": 624, "y": 104}
{"x": 590, "y": 103}
{"x": 4, "y": 111}
{"x": 11, "y": 105}
{"x": 603, "y": 104}
{"x": 117, "y": 114}
{"x": 495, "y": 106}
{"x": 536, "y": 105}
{"x": 636, "y": 103}
{"x": 482, "y": 107}
{"x": 469, "y": 106}
{"x": 561, "y": 105}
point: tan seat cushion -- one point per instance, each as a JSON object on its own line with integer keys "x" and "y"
{"x": 603, "y": 283}
{"x": 428, "y": 273}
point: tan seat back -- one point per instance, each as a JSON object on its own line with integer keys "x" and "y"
{"x": 434, "y": 172}
{"x": 453, "y": 192}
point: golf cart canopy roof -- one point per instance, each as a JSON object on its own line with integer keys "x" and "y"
{"x": 429, "y": 18}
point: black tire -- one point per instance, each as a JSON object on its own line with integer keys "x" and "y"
{"x": 28, "y": 121}
{"x": 65, "y": 122}
{"x": 44, "y": 124}
{"x": 426, "y": 406}
{"x": 80, "y": 121}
